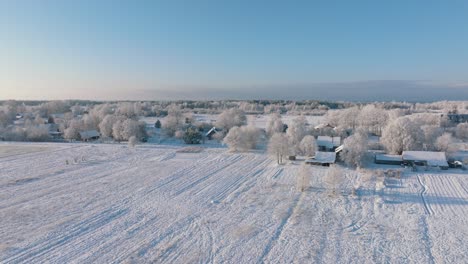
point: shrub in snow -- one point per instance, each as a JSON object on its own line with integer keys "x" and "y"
{"x": 308, "y": 146}
{"x": 179, "y": 134}
{"x": 192, "y": 136}
{"x": 402, "y": 134}
{"x": 132, "y": 141}
{"x": 355, "y": 149}
{"x": 242, "y": 138}
{"x": 278, "y": 147}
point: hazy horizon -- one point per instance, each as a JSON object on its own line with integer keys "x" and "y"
{"x": 205, "y": 50}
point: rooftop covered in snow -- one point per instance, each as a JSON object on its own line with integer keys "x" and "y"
{"x": 430, "y": 157}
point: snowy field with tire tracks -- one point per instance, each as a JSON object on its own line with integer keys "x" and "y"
{"x": 108, "y": 203}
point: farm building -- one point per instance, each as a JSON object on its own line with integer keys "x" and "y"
{"x": 326, "y": 143}
{"x": 89, "y": 135}
{"x": 322, "y": 158}
{"x": 388, "y": 159}
{"x": 213, "y": 131}
{"x": 426, "y": 158}
{"x": 458, "y": 118}
{"x": 420, "y": 158}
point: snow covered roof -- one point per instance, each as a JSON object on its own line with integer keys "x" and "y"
{"x": 328, "y": 142}
{"x": 212, "y": 130}
{"x": 323, "y": 157}
{"x": 320, "y": 126}
{"x": 387, "y": 157}
{"x": 89, "y": 134}
{"x": 432, "y": 158}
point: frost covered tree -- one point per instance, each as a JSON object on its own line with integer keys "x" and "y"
{"x": 344, "y": 119}
{"x": 462, "y": 131}
{"x": 274, "y": 125}
{"x": 296, "y": 132}
{"x": 278, "y": 147}
{"x": 73, "y": 129}
{"x": 308, "y": 146}
{"x": 123, "y": 129}
{"x": 445, "y": 143}
{"x": 37, "y": 133}
{"x": 354, "y": 149}
{"x": 372, "y": 119}
{"x": 174, "y": 121}
{"x": 242, "y": 138}
{"x": 230, "y": 118}
{"x": 105, "y": 127}
{"x": 303, "y": 177}
{"x": 117, "y": 129}
{"x": 402, "y": 134}
{"x": 130, "y": 128}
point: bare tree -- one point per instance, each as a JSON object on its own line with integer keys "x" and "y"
{"x": 303, "y": 177}
{"x": 334, "y": 178}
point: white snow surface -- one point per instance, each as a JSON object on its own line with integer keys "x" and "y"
{"x": 152, "y": 204}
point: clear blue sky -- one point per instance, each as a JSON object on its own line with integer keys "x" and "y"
{"x": 354, "y": 50}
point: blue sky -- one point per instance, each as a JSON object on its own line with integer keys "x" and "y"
{"x": 346, "y": 50}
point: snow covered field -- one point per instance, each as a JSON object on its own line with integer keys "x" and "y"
{"x": 84, "y": 203}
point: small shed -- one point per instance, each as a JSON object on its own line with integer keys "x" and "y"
{"x": 326, "y": 143}
{"x": 322, "y": 158}
{"x": 89, "y": 135}
{"x": 213, "y": 131}
{"x": 388, "y": 159}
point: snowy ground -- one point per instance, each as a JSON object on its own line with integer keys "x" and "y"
{"x": 158, "y": 204}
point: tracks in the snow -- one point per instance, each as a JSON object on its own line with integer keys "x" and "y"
{"x": 423, "y": 193}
